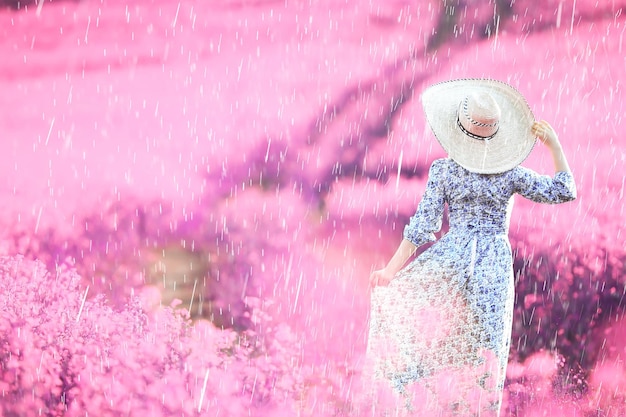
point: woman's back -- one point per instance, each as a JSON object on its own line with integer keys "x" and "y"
{"x": 483, "y": 201}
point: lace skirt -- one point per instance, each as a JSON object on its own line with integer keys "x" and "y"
{"x": 439, "y": 334}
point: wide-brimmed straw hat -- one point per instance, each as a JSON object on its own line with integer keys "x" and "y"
{"x": 484, "y": 125}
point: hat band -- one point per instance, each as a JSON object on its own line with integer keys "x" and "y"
{"x": 473, "y": 135}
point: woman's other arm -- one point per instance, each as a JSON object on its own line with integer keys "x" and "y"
{"x": 421, "y": 228}
{"x": 542, "y": 188}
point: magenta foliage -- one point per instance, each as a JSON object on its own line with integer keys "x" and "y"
{"x": 564, "y": 304}
{"x": 116, "y": 247}
{"x": 66, "y": 354}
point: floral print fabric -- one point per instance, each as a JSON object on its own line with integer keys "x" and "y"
{"x": 439, "y": 333}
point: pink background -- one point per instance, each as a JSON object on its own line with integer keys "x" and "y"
{"x": 282, "y": 146}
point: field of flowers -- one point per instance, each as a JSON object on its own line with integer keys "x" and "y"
{"x": 194, "y": 194}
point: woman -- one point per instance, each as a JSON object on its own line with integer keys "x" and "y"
{"x": 440, "y": 328}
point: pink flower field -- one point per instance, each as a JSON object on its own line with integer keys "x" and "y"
{"x": 195, "y": 192}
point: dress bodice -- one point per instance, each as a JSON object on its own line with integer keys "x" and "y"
{"x": 480, "y": 202}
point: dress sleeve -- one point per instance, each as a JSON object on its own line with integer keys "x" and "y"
{"x": 543, "y": 188}
{"x": 427, "y": 220}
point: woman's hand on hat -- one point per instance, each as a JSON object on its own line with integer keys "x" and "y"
{"x": 546, "y": 134}
{"x": 382, "y": 277}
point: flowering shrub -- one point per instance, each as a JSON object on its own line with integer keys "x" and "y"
{"x": 64, "y": 353}
{"x": 127, "y": 246}
{"x": 563, "y": 301}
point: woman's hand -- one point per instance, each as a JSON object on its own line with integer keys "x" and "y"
{"x": 382, "y": 277}
{"x": 546, "y": 134}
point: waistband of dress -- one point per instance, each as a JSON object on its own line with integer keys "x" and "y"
{"x": 487, "y": 228}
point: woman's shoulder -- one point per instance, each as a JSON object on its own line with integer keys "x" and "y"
{"x": 447, "y": 167}
{"x": 439, "y": 168}
{"x": 442, "y": 164}
{"x": 519, "y": 173}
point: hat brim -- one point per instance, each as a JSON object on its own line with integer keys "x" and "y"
{"x": 507, "y": 149}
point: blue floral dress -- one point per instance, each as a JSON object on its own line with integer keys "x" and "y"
{"x": 439, "y": 333}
